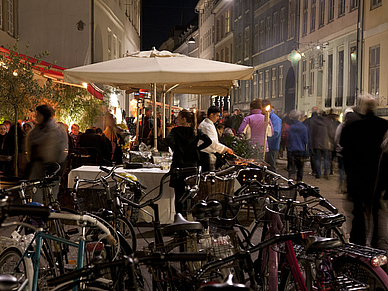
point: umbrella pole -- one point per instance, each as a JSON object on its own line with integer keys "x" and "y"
{"x": 164, "y": 113}
{"x": 170, "y": 111}
{"x": 155, "y": 117}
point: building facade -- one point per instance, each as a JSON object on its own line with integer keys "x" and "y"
{"x": 374, "y": 65}
{"x": 9, "y": 19}
{"x": 77, "y": 33}
{"x": 327, "y": 71}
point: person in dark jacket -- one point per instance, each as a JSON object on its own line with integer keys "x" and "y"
{"x": 297, "y": 145}
{"x": 320, "y": 132}
{"x": 90, "y": 139}
{"x": 307, "y": 122}
{"x": 361, "y": 141}
{"x": 183, "y": 140}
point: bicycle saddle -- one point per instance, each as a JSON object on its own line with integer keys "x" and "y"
{"x": 8, "y": 282}
{"x": 181, "y": 224}
{"x": 333, "y": 220}
{"x": 227, "y": 285}
{"x": 212, "y": 207}
{"x": 318, "y": 244}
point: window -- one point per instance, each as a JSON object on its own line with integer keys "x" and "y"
{"x": 109, "y": 44}
{"x": 114, "y": 46}
{"x": 341, "y": 8}
{"x": 322, "y": 13}
{"x": 222, "y": 26}
{"x": 227, "y": 22}
{"x": 268, "y": 32}
{"x": 304, "y": 78}
{"x": 227, "y": 56}
{"x": 340, "y": 85}
{"x": 313, "y": 14}
{"x": 261, "y": 85}
{"x": 375, "y": 4}
{"x": 231, "y": 53}
{"x": 305, "y": 14}
{"x": 256, "y": 39}
{"x": 10, "y": 7}
{"x": 222, "y": 55}
{"x": 312, "y": 77}
{"x": 275, "y": 28}
{"x": 331, "y": 10}
{"x": 280, "y": 81}
{"x": 352, "y": 77}
{"x": 266, "y": 85}
{"x": 246, "y": 42}
{"x": 255, "y": 89}
{"x": 353, "y": 4}
{"x": 374, "y": 70}
{"x": 218, "y": 30}
{"x": 273, "y": 83}
{"x": 282, "y": 23}
{"x": 291, "y": 19}
{"x": 329, "y": 80}
{"x": 261, "y": 36}
{"x": 120, "y": 50}
{"x": 247, "y": 83}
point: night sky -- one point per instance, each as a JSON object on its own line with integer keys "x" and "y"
{"x": 160, "y": 16}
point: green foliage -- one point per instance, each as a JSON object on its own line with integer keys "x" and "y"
{"x": 21, "y": 92}
{"x": 242, "y": 148}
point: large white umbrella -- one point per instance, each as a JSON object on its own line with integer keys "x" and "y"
{"x": 163, "y": 71}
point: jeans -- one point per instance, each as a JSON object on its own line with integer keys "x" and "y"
{"x": 326, "y": 162}
{"x": 296, "y": 160}
{"x": 270, "y": 158}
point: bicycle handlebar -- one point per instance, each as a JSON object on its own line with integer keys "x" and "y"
{"x": 112, "y": 172}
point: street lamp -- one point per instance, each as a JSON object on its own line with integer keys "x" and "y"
{"x": 294, "y": 57}
{"x": 191, "y": 40}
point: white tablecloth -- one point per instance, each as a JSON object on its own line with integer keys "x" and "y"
{"x": 149, "y": 177}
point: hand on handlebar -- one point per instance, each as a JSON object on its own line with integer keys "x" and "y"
{"x": 229, "y": 151}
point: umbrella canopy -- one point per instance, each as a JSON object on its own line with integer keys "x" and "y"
{"x": 171, "y": 72}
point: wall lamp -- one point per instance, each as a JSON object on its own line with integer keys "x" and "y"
{"x": 191, "y": 40}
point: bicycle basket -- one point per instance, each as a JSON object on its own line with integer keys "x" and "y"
{"x": 222, "y": 183}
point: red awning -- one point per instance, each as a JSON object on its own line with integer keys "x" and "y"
{"x": 54, "y": 73}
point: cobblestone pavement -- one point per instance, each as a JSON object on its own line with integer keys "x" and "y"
{"x": 329, "y": 188}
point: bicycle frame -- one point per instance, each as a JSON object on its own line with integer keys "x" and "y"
{"x": 40, "y": 235}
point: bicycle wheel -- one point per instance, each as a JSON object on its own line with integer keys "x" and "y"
{"x": 9, "y": 260}
{"x": 288, "y": 283}
{"x": 354, "y": 268}
{"x": 126, "y": 229}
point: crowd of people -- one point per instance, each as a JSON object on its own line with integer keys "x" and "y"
{"x": 359, "y": 146}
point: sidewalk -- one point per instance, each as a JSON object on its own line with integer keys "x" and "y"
{"x": 328, "y": 189}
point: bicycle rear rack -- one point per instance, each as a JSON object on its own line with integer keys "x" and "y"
{"x": 363, "y": 251}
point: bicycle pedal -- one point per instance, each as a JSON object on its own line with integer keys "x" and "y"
{"x": 72, "y": 231}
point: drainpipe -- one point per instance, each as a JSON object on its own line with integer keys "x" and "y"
{"x": 92, "y": 32}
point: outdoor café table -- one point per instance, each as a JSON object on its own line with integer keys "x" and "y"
{"x": 149, "y": 177}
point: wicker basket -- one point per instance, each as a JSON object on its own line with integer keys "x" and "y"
{"x": 223, "y": 183}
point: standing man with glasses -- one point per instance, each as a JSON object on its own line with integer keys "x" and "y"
{"x": 207, "y": 157}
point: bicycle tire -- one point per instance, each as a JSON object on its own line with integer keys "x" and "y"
{"x": 9, "y": 258}
{"x": 287, "y": 282}
{"x": 125, "y": 227}
{"x": 363, "y": 272}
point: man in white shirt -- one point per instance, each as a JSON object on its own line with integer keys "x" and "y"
{"x": 208, "y": 159}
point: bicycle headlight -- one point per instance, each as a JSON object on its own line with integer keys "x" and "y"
{"x": 379, "y": 261}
